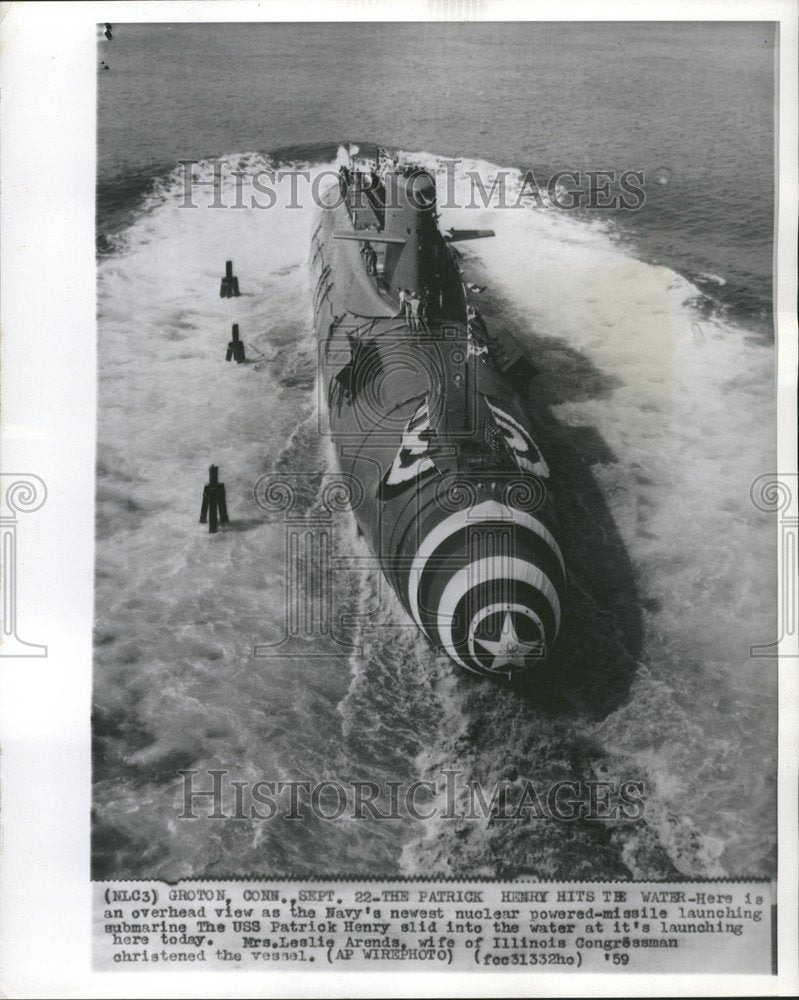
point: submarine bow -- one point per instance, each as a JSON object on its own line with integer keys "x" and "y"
{"x": 427, "y": 412}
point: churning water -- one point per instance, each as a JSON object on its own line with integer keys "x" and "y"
{"x": 655, "y": 401}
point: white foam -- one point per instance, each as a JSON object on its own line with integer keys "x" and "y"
{"x": 692, "y": 426}
{"x": 690, "y": 423}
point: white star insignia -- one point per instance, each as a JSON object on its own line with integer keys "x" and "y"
{"x": 509, "y": 650}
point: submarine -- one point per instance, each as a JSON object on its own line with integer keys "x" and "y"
{"x": 428, "y": 414}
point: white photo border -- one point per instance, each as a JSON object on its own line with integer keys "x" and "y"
{"x": 47, "y": 160}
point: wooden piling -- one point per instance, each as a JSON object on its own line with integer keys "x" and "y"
{"x": 235, "y": 348}
{"x": 229, "y": 286}
{"x": 214, "y": 505}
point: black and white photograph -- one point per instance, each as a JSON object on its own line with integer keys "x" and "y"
{"x": 487, "y": 489}
{"x": 440, "y": 543}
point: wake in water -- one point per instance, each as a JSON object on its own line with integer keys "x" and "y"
{"x": 655, "y": 433}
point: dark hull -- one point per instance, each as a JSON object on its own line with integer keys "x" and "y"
{"x": 448, "y": 486}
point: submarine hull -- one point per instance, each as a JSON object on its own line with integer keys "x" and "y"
{"x": 427, "y": 416}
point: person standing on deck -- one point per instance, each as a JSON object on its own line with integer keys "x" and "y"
{"x": 370, "y": 257}
{"x": 424, "y": 303}
{"x": 403, "y": 300}
{"x": 414, "y": 304}
{"x": 408, "y": 308}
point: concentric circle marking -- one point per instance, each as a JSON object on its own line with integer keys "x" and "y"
{"x": 489, "y": 510}
{"x": 484, "y": 571}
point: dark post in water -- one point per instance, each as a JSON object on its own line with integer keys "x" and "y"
{"x": 229, "y": 287}
{"x": 235, "y": 348}
{"x": 214, "y": 507}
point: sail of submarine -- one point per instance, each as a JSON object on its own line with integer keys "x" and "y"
{"x": 428, "y": 418}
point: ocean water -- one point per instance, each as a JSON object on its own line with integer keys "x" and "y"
{"x": 689, "y": 104}
{"x": 651, "y": 330}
